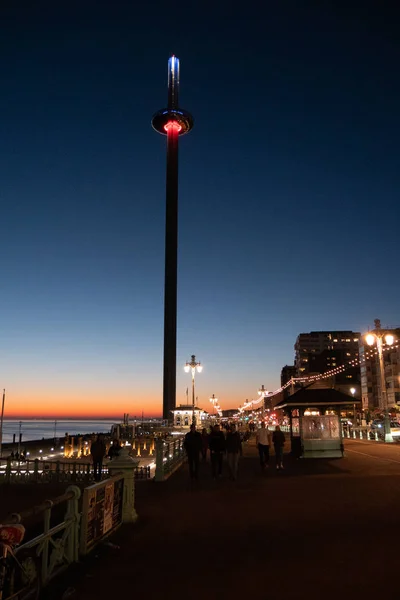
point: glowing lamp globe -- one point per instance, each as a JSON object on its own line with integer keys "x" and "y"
{"x": 370, "y": 339}
{"x": 389, "y": 339}
{"x": 199, "y": 368}
{"x": 187, "y": 368}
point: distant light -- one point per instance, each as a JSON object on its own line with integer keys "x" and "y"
{"x": 352, "y": 391}
{"x": 62, "y": 448}
{"x": 51, "y": 449}
{"x": 40, "y": 450}
{"x": 173, "y": 125}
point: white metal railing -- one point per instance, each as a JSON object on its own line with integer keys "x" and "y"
{"x": 44, "y": 471}
{"x": 170, "y": 455}
{"x": 57, "y": 547}
{"x": 361, "y": 433}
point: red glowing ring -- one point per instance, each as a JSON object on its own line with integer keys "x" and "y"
{"x": 173, "y": 125}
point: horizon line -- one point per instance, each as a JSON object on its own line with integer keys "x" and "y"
{"x": 78, "y": 418}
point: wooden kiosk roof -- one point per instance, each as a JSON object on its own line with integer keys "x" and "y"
{"x": 308, "y": 397}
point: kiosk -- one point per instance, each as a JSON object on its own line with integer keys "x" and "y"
{"x": 314, "y": 416}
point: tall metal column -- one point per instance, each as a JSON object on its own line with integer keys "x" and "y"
{"x": 171, "y": 274}
{"x": 172, "y": 122}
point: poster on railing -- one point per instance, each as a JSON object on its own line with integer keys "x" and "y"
{"x": 108, "y": 507}
{"x": 102, "y": 511}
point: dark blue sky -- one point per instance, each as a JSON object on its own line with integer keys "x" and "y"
{"x": 289, "y": 212}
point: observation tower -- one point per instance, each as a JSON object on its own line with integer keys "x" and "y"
{"x": 173, "y": 122}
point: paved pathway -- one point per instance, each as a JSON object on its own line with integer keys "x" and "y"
{"x": 320, "y": 529}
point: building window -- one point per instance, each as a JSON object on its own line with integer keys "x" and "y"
{"x": 186, "y": 421}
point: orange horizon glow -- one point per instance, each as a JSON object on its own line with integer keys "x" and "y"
{"x": 91, "y": 406}
{"x": 66, "y": 406}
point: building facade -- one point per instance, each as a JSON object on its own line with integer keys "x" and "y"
{"x": 320, "y": 351}
{"x": 183, "y": 416}
{"x": 287, "y": 372}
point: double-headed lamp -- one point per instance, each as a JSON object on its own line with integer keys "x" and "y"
{"x": 370, "y": 339}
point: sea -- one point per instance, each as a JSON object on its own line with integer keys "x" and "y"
{"x": 39, "y": 429}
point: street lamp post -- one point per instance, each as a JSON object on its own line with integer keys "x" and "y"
{"x": 193, "y": 365}
{"x": 352, "y": 392}
{"x": 264, "y": 393}
{"x": 376, "y": 336}
{"x": 214, "y": 401}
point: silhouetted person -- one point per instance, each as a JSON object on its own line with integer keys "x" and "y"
{"x": 217, "y": 446}
{"x": 193, "y": 447}
{"x": 114, "y": 450}
{"x": 263, "y": 441}
{"x": 233, "y": 451}
{"x": 98, "y": 452}
{"x": 204, "y": 444}
{"x": 278, "y": 439}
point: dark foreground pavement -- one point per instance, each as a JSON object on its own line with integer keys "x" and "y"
{"x": 319, "y": 529}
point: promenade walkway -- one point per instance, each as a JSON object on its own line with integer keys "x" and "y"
{"x": 319, "y": 529}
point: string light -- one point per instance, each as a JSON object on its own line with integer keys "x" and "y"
{"x": 367, "y": 355}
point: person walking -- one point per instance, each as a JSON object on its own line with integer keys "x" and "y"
{"x": 204, "y": 444}
{"x": 193, "y": 447}
{"x": 217, "y": 447}
{"x": 233, "y": 451}
{"x": 278, "y": 439}
{"x": 98, "y": 451}
{"x": 263, "y": 442}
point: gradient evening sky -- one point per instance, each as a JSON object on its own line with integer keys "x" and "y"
{"x": 289, "y": 192}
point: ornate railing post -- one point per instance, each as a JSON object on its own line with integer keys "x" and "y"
{"x": 73, "y": 516}
{"x": 8, "y": 470}
{"x": 159, "y": 474}
{"x": 45, "y": 550}
{"x": 36, "y": 470}
{"x": 126, "y": 464}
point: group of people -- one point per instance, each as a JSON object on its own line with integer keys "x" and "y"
{"x": 17, "y": 456}
{"x": 98, "y": 451}
{"x": 217, "y": 444}
{"x": 264, "y": 440}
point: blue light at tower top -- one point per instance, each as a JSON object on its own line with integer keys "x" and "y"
{"x": 173, "y": 82}
{"x": 173, "y": 113}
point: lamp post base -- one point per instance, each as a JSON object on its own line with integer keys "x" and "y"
{"x": 388, "y": 433}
